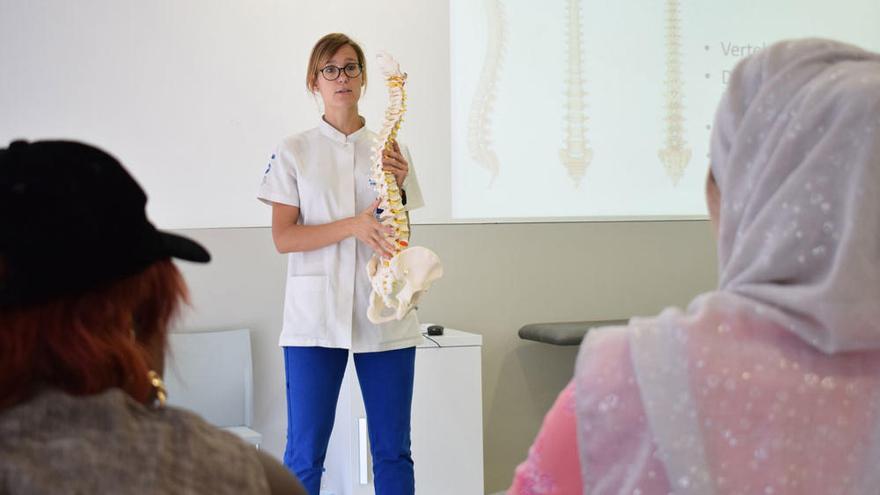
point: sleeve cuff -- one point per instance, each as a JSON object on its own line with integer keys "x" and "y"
{"x": 269, "y": 198}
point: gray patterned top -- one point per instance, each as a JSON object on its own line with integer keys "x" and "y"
{"x": 109, "y": 443}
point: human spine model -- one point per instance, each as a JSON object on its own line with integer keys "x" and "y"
{"x": 479, "y": 123}
{"x": 397, "y": 282}
{"x": 676, "y": 155}
{"x": 575, "y": 153}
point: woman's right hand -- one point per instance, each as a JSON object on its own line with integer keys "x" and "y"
{"x": 368, "y": 230}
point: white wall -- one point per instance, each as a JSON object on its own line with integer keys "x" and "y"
{"x": 498, "y": 278}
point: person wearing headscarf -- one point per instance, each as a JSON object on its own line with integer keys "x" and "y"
{"x": 770, "y": 384}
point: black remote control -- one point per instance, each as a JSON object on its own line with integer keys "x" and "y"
{"x": 435, "y": 330}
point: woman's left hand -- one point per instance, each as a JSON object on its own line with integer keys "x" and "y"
{"x": 394, "y": 162}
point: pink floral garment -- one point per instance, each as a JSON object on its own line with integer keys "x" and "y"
{"x": 552, "y": 466}
{"x": 788, "y": 419}
{"x": 609, "y": 389}
{"x": 738, "y": 405}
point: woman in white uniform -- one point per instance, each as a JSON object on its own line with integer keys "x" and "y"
{"x": 323, "y": 216}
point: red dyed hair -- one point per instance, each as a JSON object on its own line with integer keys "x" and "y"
{"x": 83, "y": 343}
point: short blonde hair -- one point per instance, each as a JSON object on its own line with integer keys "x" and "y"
{"x": 324, "y": 49}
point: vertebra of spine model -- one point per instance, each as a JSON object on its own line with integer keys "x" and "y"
{"x": 397, "y": 282}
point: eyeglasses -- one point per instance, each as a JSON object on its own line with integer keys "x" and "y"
{"x": 331, "y": 72}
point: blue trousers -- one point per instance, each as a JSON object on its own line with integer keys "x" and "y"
{"x": 314, "y": 376}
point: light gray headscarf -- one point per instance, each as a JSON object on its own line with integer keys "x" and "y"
{"x": 796, "y": 155}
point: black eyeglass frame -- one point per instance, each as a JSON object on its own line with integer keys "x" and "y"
{"x": 340, "y": 70}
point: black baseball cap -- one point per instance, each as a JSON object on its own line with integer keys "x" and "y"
{"x": 72, "y": 219}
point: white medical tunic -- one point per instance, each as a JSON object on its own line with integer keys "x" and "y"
{"x": 326, "y": 174}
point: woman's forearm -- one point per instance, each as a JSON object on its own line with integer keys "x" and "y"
{"x": 295, "y": 238}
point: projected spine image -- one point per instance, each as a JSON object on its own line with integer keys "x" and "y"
{"x": 397, "y": 282}
{"x": 479, "y": 123}
{"x": 575, "y": 153}
{"x": 676, "y": 154}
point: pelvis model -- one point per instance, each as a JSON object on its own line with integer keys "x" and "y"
{"x": 400, "y": 281}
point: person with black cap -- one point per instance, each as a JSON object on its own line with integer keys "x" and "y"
{"x": 87, "y": 292}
